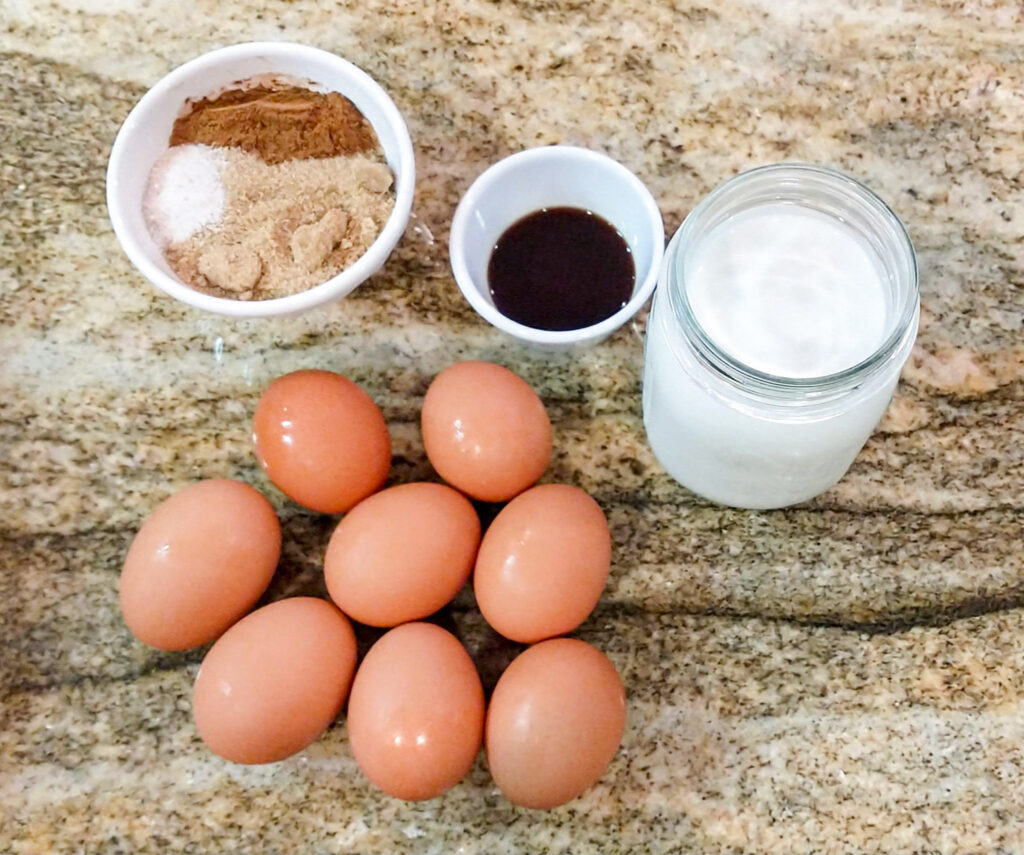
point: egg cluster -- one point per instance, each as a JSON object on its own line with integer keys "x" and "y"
{"x": 275, "y": 679}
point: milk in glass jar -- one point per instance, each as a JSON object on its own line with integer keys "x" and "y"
{"x": 786, "y": 307}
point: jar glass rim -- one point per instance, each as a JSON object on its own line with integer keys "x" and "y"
{"x": 772, "y": 385}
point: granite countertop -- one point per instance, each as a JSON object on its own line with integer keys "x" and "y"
{"x": 841, "y": 677}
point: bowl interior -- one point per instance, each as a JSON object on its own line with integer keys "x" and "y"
{"x": 557, "y": 177}
{"x": 145, "y": 134}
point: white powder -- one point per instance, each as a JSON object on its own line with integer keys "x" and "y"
{"x": 184, "y": 194}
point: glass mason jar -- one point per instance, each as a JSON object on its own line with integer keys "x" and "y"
{"x": 745, "y": 438}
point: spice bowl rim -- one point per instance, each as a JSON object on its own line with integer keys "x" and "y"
{"x": 494, "y": 182}
{"x": 340, "y": 75}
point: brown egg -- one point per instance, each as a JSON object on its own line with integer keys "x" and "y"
{"x": 199, "y": 562}
{"x": 322, "y": 440}
{"x": 554, "y": 723}
{"x": 402, "y": 554}
{"x": 416, "y": 713}
{"x": 275, "y": 681}
{"x": 485, "y": 431}
{"x": 543, "y": 563}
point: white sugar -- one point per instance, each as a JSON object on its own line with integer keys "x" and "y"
{"x": 184, "y": 193}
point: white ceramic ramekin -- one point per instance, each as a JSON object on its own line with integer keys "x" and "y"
{"x": 546, "y": 177}
{"x": 144, "y": 137}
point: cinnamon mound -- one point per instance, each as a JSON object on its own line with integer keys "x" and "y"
{"x": 278, "y": 124}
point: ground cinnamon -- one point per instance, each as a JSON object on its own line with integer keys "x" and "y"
{"x": 278, "y": 123}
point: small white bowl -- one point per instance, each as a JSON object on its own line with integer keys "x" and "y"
{"x": 144, "y": 137}
{"x": 546, "y": 177}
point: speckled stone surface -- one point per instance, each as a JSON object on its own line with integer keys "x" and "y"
{"x": 842, "y": 677}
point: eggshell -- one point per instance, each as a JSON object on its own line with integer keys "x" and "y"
{"x": 543, "y": 563}
{"x": 322, "y": 440}
{"x": 275, "y": 681}
{"x": 485, "y": 431}
{"x": 198, "y": 563}
{"x": 554, "y": 723}
{"x": 402, "y": 553}
{"x": 416, "y": 713}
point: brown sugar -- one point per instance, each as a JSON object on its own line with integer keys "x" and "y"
{"x": 312, "y": 244}
{"x": 286, "y": 227}
{"x": 277, "y": 123}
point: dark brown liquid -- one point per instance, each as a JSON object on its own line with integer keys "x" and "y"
{"x": 560, "y": 269}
